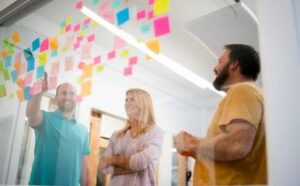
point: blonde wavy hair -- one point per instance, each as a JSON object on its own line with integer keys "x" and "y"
{"x": 146, "y": 118}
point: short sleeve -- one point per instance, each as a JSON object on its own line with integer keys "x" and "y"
{"x": 86, "y": 148}
{"x": 242, "y": 102}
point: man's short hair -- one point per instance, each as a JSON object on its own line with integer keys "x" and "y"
{"x": 247, "y": 58}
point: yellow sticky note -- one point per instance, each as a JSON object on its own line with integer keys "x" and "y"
{"x": 160, "y": 7}
{"x": 100, "y": 68}
{"x": 20, "y": 95}
{"x": 124, "y": 53}
{"x": 79, "y": 80}
{"x": 94, "y": 24}
{"x": 69, "y": 20}
{"x": 42, "y": 58}
{"x": 53, "y": 43}
{"x": 154, "y": 46}
{"x": 87, "y": 70}
{"x": 16, "y": 37}
{"x": 86, "y": 88}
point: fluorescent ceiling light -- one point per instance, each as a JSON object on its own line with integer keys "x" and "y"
{"x": 163, "y": 60}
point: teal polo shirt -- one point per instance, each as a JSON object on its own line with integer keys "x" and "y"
{"x": 60, "y": 145}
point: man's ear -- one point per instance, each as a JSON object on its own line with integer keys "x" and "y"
{"x": 234, "y": 65}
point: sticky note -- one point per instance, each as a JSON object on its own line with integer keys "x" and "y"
{"x": 52, "y": 83}
{"x": 54, "y": 68}
{"x": 53, "y": 53}
{"x": 81, "y": 65}
{"x": 132, "y": 61}
{"x": 53, "y": 43}
{"x": 16, "y": 38}
{"x": 69, "y": 40}
{"x": 88, "y": 71}
{"x": 109, "y": 16}
{"x": 26, "y": 92}
{"x": 79, "y": 39}
{"x": 20, "y": 82}
{"x": 115, "y": 4}
{"x": 69, "y": 63}
{"x": 91, "y": 38}
{"x": 44, "y": 45}
{"x": 140, "y": 14}
{"x": 28, "y": 78}
{"x": 111, "y": 55}
{"x": 145, "y": 27}
{"x": 150, "y": 14}
{"x": 161, "y": 26}
{"x": 2, "y": 90}
{"x": 5, "y": 42}
{"x": 160, "y": 7}
{"x": 97, "y": 60}
{"x": 42, "y": 57}
{"x": 154, "y": 46}
{"x": 100, "y": 68}
{"x": 150, "y": 2}
{"x": 127, "y": 71}
{"x": 79, "y": 80}
{"x": 14, "y": 75}
{"x": 37, "y": 87}
{"x": 35, "y": 44}
{"x": 1, "y": 66}
{"x": 7, "y": 62}
{"x": 69, "y": 20}
{"x": 78, "y": 99}
{"x": 86, "y": 51}
{"x": 22, "y": 69}
{"x": 124, "y": 53}
{"x": 6, "y": 75}
{"x": 86, "y": 21}
{"x": 4, "y": 53}
{"x": 18, "y": 57}
{"x": 20, "y": 95}
{"x": 17, "y": 65}
{"x": 79, "y": 5}
{"x": 29, "y": 58}
{"x": 76, "y": 27}
{"x": 86, "y": 88}
{"x": 40, "y": 72}
{"x": 68, "y": 28}
{"x": 95, "y": 2}
{"x": 122, "y": 16}
{"x": 118, "y": 43}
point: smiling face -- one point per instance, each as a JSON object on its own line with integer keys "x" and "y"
{"x": 131, "y": 107}
{"x": 221, "y": 70}
{"x": 65, "y": 97}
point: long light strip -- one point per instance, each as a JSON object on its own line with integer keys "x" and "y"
{"x": 163, "y": 60}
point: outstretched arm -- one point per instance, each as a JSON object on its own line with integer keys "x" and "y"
{"x": 33, "y": 109}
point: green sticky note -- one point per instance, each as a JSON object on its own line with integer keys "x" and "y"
{"x": 10, "y": 48}
{"x": 95, "y": 2}
{"x": 2, "y": 91}
{"x": 1, "y": 66}
{"x": 100, "y": 68}
{"x": 5, "y": 42}
{"x": 6, "y": 75}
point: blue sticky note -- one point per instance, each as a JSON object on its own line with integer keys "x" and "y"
{"x": 7, "y": 62}
{"x": 26, "y": 92}
{"x": 36, "y": 44}
{"x": 53, "y": 53}
{"x": 29, "y": 58}
{"x": 116, "y": 4}
{"x": 14, "y": 75}
{"x": 95, "y": 2}
{"x": 40, "y": 72}
{"x": 122, "y": 16}
{"x": 85, "y": 27}
{"x": 146, "y": 27}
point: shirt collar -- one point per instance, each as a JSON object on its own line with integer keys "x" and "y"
{"x": 61, "y": 115}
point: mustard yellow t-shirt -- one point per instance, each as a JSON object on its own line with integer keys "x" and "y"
{"x": 243, "y": 101}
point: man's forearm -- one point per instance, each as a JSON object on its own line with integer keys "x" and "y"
{"x": 120, "y": 161}
{"x": 121, "y": 171}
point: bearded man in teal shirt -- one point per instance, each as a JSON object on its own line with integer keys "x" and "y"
{"x": 61, "y": 143}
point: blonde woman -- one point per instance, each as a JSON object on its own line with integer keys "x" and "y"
{"x": 133, "y": 152}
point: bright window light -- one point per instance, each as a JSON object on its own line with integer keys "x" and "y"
{"x": 163, "y": 60}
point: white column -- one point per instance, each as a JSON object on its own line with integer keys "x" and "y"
{"x": 280, "y": 55}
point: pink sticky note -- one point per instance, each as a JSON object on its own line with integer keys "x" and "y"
{"x": 140, "y": 15}
{"x": 22, "y": 69}
{"x": 91, "y": 38}
{"x": 119, "y": 43}
{"x": 79, "y": 5}
{"x": 69, "y": 40}
{"x": 78, "y": 99}
{"x": 86, "y": 51}
{"x": 18, "y": 57}
{"x": 150, "y": 2}
{"x": 44, "y": 45}
{"x": 68, "y": 28}
{"x": 76, "y": 45}
{"x": 52, "y": 83}
{"x": 106, "y": 13}
{"x": 28, "y": 78}
{"x": 81, "y": 65}
{"x": 127, "y": 71}
{"x": 37, "y": 87}
{"x": 79, "y": 38}
{"x": 161, "y": 26}
{"x": 97, "y": 60}
{"x": 86, "y": 21}
{"x": 76, "y": 27}
{"x": 132, "y": 61}
{"x": 111, "y": 55}
{"x": 150, "y": 14}
{"x": 69, "y": 63}
{"x": 54, "y": 68}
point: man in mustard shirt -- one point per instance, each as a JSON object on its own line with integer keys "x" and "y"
{"x": 234, "y": 150}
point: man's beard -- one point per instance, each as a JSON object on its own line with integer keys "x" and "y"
{"x": 221, "y": 78}
{"x": 64, "y": 108}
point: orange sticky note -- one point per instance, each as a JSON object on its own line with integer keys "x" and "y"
{"x": 20, "y": 82}
{"x": 20, "y": 95}
{"x": 53, "y": 43}
{"x": 87, "y": 71}
{"x": 16, "y": 37}
{"x": 3, "y": 53}
{"x": 154, "y": 46}
{"x": 86, "y": 88}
